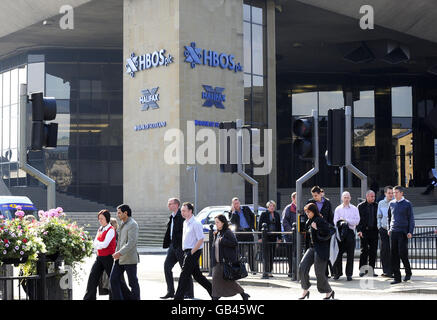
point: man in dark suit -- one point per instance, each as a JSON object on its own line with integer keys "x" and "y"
{"x": 173, "y": 241}
{"x": 244, "y": 221}
{"x": 325, "y": 209}
{"x": 323, "y": 204}
{"x": 368, "y": 232}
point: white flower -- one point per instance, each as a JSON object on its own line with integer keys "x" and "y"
{"x": 64, "y": 240}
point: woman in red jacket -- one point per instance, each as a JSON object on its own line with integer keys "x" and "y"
{"x": 105, "y": 243}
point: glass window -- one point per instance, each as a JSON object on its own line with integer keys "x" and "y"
{"x": 365, "y": 107}
{"x": 247, "y": 48}
{"x": 257, "y": 49}
{"x": 14, "y": 126}
{"x": 330, "y": 100}
{"x": 303, "y": 103}
{"x": 246, "y": 12}
{"x": 14, "y": 86}
{"x": 1, "y": 91}
{"x": 5, "y": 127}
{"x": 257, "y": 15}
{"x": 402, "y": 101}
{"x": 6, "y": 88}
{"x": 56, "y": 87}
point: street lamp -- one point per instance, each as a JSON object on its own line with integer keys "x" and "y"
{"x": 189, "y": 168}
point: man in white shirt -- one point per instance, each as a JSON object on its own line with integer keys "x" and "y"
{"x": 192, "y": 243}
{"x": 348, "y": 212}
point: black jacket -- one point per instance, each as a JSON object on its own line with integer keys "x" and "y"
{"x": 228, "y": 247}
{"x": 250, "y": 218}
{"x": 326, "y": 210}
{"x": 365, "y": 208}
{"x": 178, "y": 225}
{"x": 266, "y": 219}
{"x": 320, "y": 246}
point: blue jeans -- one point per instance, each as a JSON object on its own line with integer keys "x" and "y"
{"x": 115, "y": 280}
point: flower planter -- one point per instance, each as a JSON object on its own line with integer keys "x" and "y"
{"x": 15, "y": 261}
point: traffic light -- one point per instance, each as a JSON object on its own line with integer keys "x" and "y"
{"x": 303, "y": 128}
{"x": 231, "y": 153}
{"x": 43, "y": 135}
{"x": 335, "y": 153}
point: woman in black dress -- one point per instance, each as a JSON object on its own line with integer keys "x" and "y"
{"x": 224, "y": 249}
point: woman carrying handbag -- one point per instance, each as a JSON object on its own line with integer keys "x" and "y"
{"x": 320, "y": 233}
{"x": 224, "y": 250}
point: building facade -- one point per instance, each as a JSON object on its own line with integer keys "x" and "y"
{"x": 140, "y": 85}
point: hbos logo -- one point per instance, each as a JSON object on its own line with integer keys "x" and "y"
{"x": 213, "y": 96}
{"x": 146, "y": 61}
{"x": 210, "y": 58}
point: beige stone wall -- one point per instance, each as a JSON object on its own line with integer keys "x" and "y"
{"x": 148, "y": 181}
{"x": 214, "y": 25}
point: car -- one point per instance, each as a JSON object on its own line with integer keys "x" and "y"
{"x": 9, "y": 204}
{"x": 207, "y": 215}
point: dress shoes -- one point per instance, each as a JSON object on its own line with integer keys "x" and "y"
{"x": 407, "y": 277}
{"x": 168, "y": 295}
{"x": 395, "y": 282}
{"x": 349, "y": 278}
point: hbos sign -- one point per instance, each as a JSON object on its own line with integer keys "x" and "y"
{"x": 211, "y": 58}
{"x": 146, "y": 61}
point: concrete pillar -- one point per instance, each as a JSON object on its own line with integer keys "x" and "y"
{"x": 176, "y": 25}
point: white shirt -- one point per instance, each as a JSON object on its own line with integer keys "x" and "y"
{"x": 192, "y": 232}
{"x": 99, "y": 245}
{"x": 349, "y": 213}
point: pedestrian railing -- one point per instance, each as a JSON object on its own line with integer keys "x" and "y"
{"x": 265, "y": 257}
{"x": 45, "y": 285}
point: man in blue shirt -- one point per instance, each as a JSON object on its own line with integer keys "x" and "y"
{"x": 401, "y": 227}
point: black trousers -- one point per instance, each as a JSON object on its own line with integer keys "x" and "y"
{"x": 399, "y": 251}
{"x": 190, "y": 267}
{"x": 101, "y": 265}
{"x": 175, "y": 255}
{"x": 271, "y": 254}
{"x": 369, "y": 248}
{"x": 348, "y": 246}
{"x": 385, "y": 251}
{"x": 247, "y": 251}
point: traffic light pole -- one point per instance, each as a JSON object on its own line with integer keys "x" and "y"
{"x": 240, "y": 171}
{"x": 50, "y": 183}
{"x": 348, "y": 152}
{"x": 300, "y": 182}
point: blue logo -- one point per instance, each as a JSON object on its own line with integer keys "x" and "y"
{"x": 213, "y": 96}
{"x": 195, "y": 56}
{"x": 149, "y": 99}
{"x": 147, "y": 61}
{"x": 207, "y": 123}
{"x": 148, "y": 126}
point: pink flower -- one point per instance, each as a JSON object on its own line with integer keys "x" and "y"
{"x": 19, "y": 207}
{"x": 19, "y": 213}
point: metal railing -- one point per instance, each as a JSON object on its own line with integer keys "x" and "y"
{"x": 45, "y": 285}
{"x": 265, "y": 257}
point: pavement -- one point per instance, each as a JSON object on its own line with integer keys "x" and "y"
{"x": 423, "y": 284}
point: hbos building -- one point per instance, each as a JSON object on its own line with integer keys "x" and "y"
{"x": 275, "y": 60}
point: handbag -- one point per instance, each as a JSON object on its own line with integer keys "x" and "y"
{"x": 327, "y": 237}
{"x": 234, "y": 270}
